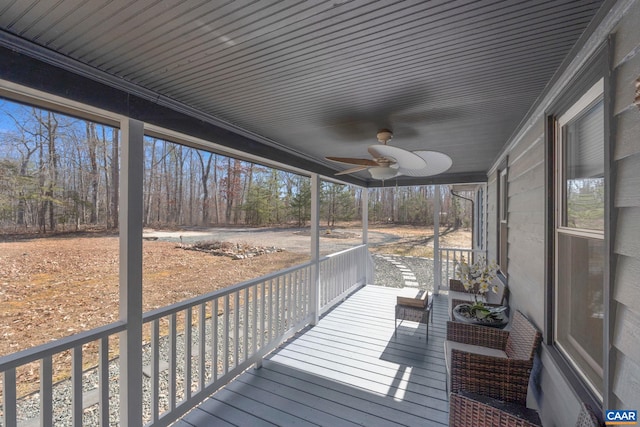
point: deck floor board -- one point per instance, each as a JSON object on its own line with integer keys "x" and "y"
{"x": 350, "y": 369}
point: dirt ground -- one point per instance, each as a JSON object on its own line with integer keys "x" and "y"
{"x": 57, "y": 286}
{"x": 54, "y": 287}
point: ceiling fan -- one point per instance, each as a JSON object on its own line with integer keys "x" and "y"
{"x": 389, "y": 161}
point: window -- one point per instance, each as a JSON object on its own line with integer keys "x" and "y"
{"x": 579, "y": 235}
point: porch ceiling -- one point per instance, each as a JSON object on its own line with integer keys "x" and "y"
{"x": 319, "y": 79}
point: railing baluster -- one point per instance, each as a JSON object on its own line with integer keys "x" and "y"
{"x": 214, "y": 340}
{"x": 172, "y": 362}
{"x": 9, "y": 397}
{"x": 263, "y": 303}
{"x": 307, "y": 291}
{"x": 342, "y": 274}
{"x": 76, "y": 386}
{"x": 283, "y": 305}
{"x": 336, "y": 274}
{"x": 254, "y": 341}
{"x": 236, "y": 328}
{"x": 202, "y": 338}
{"x": 277, "y": 312}
{"x": 273, "y": 302}
{"x": 297, "y": 292}
{"x": 188, "y": 342}
{"x": 324, "y": 282}
{"x": 103, "y": 381}
{"x": 334, "y": 277}
{"x": 324, "y": 277}
{"x": 155, "y": 367}
{"x": 225, "y": 339}
{"x": 289, "y": 287}
{"x": 332, "y": 281}
{"x": 245, "y": 324}
{"x": 46, "y": 391}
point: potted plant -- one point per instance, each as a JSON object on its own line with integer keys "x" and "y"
{"x": 477, "y": 279}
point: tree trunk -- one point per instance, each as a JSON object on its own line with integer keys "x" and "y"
{"x": 92, "y": 141}
{"x": 205, "y": 170}
{"x": 115, "y": 178}
{"x": 216, "y": 190}
{"x": 230, "y": 195}
{"x": 150, "y": 182}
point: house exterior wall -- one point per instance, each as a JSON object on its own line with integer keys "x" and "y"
{"x": 526, "y": 217}
{"x": 626, "y": 159}
{"x": 550, "y": 390}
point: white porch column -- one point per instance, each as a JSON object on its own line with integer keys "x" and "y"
{"x": 315, "y": 249}
{"x": 369, "y": 268}
{"x": 131, "y": 214}
{"x": 365, "y": 215}
{"x": 437, "y": 266}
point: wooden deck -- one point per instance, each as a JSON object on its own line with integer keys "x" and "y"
{"x": 347, "y": 370}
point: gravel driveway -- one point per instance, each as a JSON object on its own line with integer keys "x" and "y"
{"x": 290, "y": 239}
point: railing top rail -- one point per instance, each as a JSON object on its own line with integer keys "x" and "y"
{"x": 54, "y": 347}
{"x": 461, "y": 249}
{"x": 343, "y": 252}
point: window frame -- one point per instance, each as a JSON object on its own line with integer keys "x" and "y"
{"x": 596, "y": 67}
{"x": 592, "y": 97}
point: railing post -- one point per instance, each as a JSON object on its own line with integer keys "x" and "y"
{"x": 315, "y": 249}
{"x": 437, "y": 264}
{"x": 131, "y": 208}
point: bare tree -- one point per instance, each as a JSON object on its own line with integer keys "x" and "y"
{"x": 204, "y": 176}
{"x": 92, "y": 145}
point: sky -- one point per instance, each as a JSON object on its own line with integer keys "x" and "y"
{"x": 6, "y": 122}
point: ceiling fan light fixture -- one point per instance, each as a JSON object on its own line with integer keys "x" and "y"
{"x": 382, "y": 172}
{"x": 384, "y": 136}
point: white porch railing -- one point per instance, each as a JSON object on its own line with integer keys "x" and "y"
{"x": 343, "y": 272}
{"x": 447, "y": 264}
{"x": 194, "y": 347}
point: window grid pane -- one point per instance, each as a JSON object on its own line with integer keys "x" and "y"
{"x": 583, "y": 205}
{"x": 580, "y": 303}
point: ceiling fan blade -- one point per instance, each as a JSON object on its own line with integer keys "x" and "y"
{"x": 405, "y": 159}
{"x": 353, "y": 161}
{"x": 352, "y": 170}
{"x": 436, "y": 163}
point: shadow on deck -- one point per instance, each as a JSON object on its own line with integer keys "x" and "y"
{"x": 347, "y": 370}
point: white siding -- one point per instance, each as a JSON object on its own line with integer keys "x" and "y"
{"x": 626, "y": 291}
